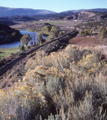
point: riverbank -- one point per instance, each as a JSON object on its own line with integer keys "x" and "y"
{"x": 8, "y": 51}
{"x": 8, "y": 54}
{"x": 33, "y": 35}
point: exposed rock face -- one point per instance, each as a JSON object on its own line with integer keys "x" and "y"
{"x": 72, "y": 17}
{"x": 8, "y": 35}
{"x": 90, "y": 16}
{"x": 85, "y": 15}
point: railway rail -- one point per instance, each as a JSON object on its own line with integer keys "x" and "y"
{"x": 9, "y": 65}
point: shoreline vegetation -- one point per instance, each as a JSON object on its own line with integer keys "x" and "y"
{"x": 48, "y": 30}
{"x": 4, "y": 52}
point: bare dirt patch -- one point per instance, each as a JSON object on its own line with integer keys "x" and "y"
{"x": 87, "y": 41}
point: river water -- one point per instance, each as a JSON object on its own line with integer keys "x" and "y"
{"x": 33, "y": 35}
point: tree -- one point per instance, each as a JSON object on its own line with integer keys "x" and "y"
{"x": 46, "y": 28}
{"x": 34, "y": 38}
{"x": 40, "y": 38}
{"x": 88, "y": 32}
{"x": 85, "y": 32}
{"x": 25, "y": 39}
{"x": 81, "y": 33}
{"x": 103, "y": 32}
{"x": 55, "y": 30}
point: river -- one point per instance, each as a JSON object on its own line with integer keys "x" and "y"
{"x": 33, "y": 35}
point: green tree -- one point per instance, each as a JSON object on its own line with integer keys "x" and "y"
{"x": 22, "y": 48}
{"x": 103, "y": 32}
{"x": 81, "y": 33}
{"x": 88, "y": 32}
{"x": 46, "y": 28}
{"x": 55, "y": 30}
{"x": 40, "y": 38}
{"x": 25, "y": 39}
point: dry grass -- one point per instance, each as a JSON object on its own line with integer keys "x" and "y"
{"x": 70, "y": 84}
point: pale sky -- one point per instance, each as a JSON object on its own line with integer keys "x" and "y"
{"x": 55, "y": 5}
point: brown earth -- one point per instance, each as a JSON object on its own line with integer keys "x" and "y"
{"x": 89, "y": 41}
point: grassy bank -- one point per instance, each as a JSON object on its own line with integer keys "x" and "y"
{"x": 7, "y": 51}
{"x": 52, "y": 22}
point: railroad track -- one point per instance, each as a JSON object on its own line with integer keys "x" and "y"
{"x": 9, "y": 65}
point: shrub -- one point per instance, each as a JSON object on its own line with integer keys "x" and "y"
{"x": 66, "y": 85}
{"x": 13, "y": 33}
{"x": 55, "y": 30}
{"x": 25, "y": 39}
{"x": 46, "y": 28}
{"x": 81, "y": 33}
{"x": 86, "y": 32}
{"x": 40, "y": 38}
{"x": 28, "y": 47}
{"x": 103, "y": 32}
{"x": 22, "y": 47}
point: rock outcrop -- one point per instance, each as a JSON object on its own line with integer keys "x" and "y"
{"x": 86, "y": 16}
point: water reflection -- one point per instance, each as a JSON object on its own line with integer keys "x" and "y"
{"x": 33, "y": 35}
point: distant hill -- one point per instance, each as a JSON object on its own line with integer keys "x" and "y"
{"x": 94, "y": 10}
{"x": 87, "y": 16}
{"x": 10, "y": 16}
{"x": 6, "y": 12}
{"x": 98, "y": 10}
{"x": 8, "y": 20}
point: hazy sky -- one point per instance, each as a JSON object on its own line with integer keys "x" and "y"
{"x": 55, "y": 5}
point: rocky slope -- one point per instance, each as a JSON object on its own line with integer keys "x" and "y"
{"x": 87, "y": 16}
{"x": 8, "y": 35}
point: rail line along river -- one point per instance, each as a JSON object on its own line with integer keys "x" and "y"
{"x": 16, "y": 44}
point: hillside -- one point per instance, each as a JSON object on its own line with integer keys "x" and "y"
{"x": 62, "y": 80}
{"x": 36, "y": 17}
{"x": 9, "y": 15}
{"x": 92, "y": 10}
{"x": 86, "y": 16}
{"x": 6, "y": 12}
{"x": 69, "y": 84}
{"x": 8, "y": 35}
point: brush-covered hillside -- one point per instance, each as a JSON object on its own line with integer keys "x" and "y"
{"x": 8, "y": 35}
{"x": 66, "y": 85}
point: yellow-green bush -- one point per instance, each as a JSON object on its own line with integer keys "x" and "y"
{"x": 68, "y": 84}
{"x": 85, "y": 32}
{"x": 40, "y": 38}
{"x": 55, "y": 30}
{"x": 46, "y": 28}
{"x": 103, "y": 32}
